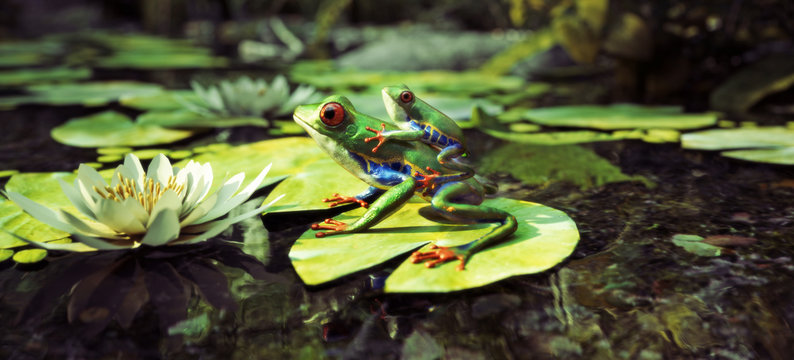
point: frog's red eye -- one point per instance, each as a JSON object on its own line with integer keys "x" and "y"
{"x": 332, "y": 114}
{"x": 406, "y": 96}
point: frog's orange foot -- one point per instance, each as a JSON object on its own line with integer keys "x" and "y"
{"x": 337, "y": 199}
{"x": 438, "y": 255}
{"x": 427, "y": 182}
{"x": 378, "y": 136}
{"x": 334, "y": 225}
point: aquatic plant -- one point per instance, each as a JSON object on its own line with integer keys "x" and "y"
{"x": 249, "y": 97}
{"x": 161, "y": 206}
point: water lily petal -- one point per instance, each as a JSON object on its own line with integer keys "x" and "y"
{"x": 100, "y": 243}
{"x": 94, "y": 229}
{"x": 116, "y": 216}
{"x": 168, "y": 201}
{"x": 135, "y": 208}
{"x": 90, "y": 178}
{"x": 199, "y": 211}
{"x": 88, "y": 197}
{"x": 223, "y": 224}
{"x": 163, "y": 229}
{"x": 226, "y": 191}
{"x": 74, "y": 195}
{"x": 198, "y": 185}
{"x": 226, "y": 206}
{"x": 160, "y": 169}
{"x": 132, "y": 169}
{"x": 40, "y": 212}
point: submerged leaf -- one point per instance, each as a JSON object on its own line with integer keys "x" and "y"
{"x": 695, "y": 245}
{"x": 745, "y": 88}
{"x": 537, "y": 165}
{"x": 110, "y": 128}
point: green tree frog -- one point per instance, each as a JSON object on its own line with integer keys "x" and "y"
{"x": 399, "y": 169}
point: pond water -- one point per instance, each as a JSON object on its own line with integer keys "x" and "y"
{"x": 685, "y": 249}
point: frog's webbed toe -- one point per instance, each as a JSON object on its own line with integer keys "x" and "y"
{"x": 439, "y": 255}
{"x": 334, "y": 225}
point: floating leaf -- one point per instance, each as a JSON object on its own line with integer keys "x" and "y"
{"x": 110, "y": 128}
{"x": 781, "y": 156}
{"x": 5, "y": 254}
{"x": 30, "y": 256}
{"x": 42, "y": 188}
{"x": 160, "y": 101}
{"x": 464, "y": 83}
{"x": 139, "y": 60}
{"x": 89, "y": 94}
{"x": 748, "y": 86}
{"x": 694, "y": 244}
{"x": 186, "y": 119}
{"x": 19, "y": 77}
{"x": 544, "y": 238}
{"x": 537, "y": 165}
{"x": 719, "y": 139}
{"x": 620, "y": 116}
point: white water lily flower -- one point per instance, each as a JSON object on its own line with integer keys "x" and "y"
{"x": 164, "y": 205}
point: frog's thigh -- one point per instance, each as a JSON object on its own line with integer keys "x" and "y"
{"x": 458, "y": 202}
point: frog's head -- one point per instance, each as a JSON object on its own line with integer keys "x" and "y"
{"x": 398, "y": 100}
{"x": 331, "y": 123}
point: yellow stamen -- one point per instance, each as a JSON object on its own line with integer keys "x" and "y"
{"x": 147, "y": 196}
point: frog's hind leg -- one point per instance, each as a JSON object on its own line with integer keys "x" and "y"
{"x": 449, "y": 158}
{"x": 457, "y": 202}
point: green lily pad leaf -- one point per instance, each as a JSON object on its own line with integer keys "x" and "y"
{"x": 288, "y": 155}
{"x": 110, "y": 128}
{"x": 544, "y": 238}
{"x": 694, "y": 244}
{"x": 781, "y": 156}
{"x": 620, "y": 116}
{"x": 30, "y": 256}
{"x": 538, "y": 165}
{"x": 161, "y": 101}
{"x": 286, "y": 127}
{"x": 42, "y": 188}
{"x": 740, "y": 138}
{"x": 457, "y": 108}
{"x": 753, "y": 83}
{"x": 318, "y": 260}
{"x": 169, "y": 60}
{"x": 88, "y": 94}
{"x": 464, "y": 83}
{"x": 20, "y": 59}
{"x": 189, "y": 119}
{"x": 554, "y": 138}
{"x": 20, "y": 77}
{"x": 7, "y": 173}
{"x": 5, "y": 254}
{"x": 661, "y": 136}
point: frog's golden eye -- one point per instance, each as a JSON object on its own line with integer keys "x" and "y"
{"x": 406, "y": 96}
{"x": 332, "y": 114}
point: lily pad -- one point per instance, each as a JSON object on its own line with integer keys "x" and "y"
{"x": 186, "y": 119}
{"x": 620, "y": 116}
{"x": 88, "y": 94}
{"x": 6, "y": 254}
{"x": 110, "y": 128}
{"x": 744, "y": 89}
{"x": 160, "y": 101}
{"x": 740, "y": 138}
{"x": 19, "y": 77}
{"x": 781, "y": 156}
{"x": 538, "y": 165}
{"x": 170, "y": 60}
{"x": 39, "y": 187}
{"x": 544, "y": 238}
{"x": 30, "y": 256}
{"x": 464, "y": 83}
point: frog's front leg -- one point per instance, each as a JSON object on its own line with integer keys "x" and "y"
{"x": 458, "y": 202}
{"x": 382, "y": 135}
{"x": 391, "y": 201}
{"x": 337, "y": 199}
